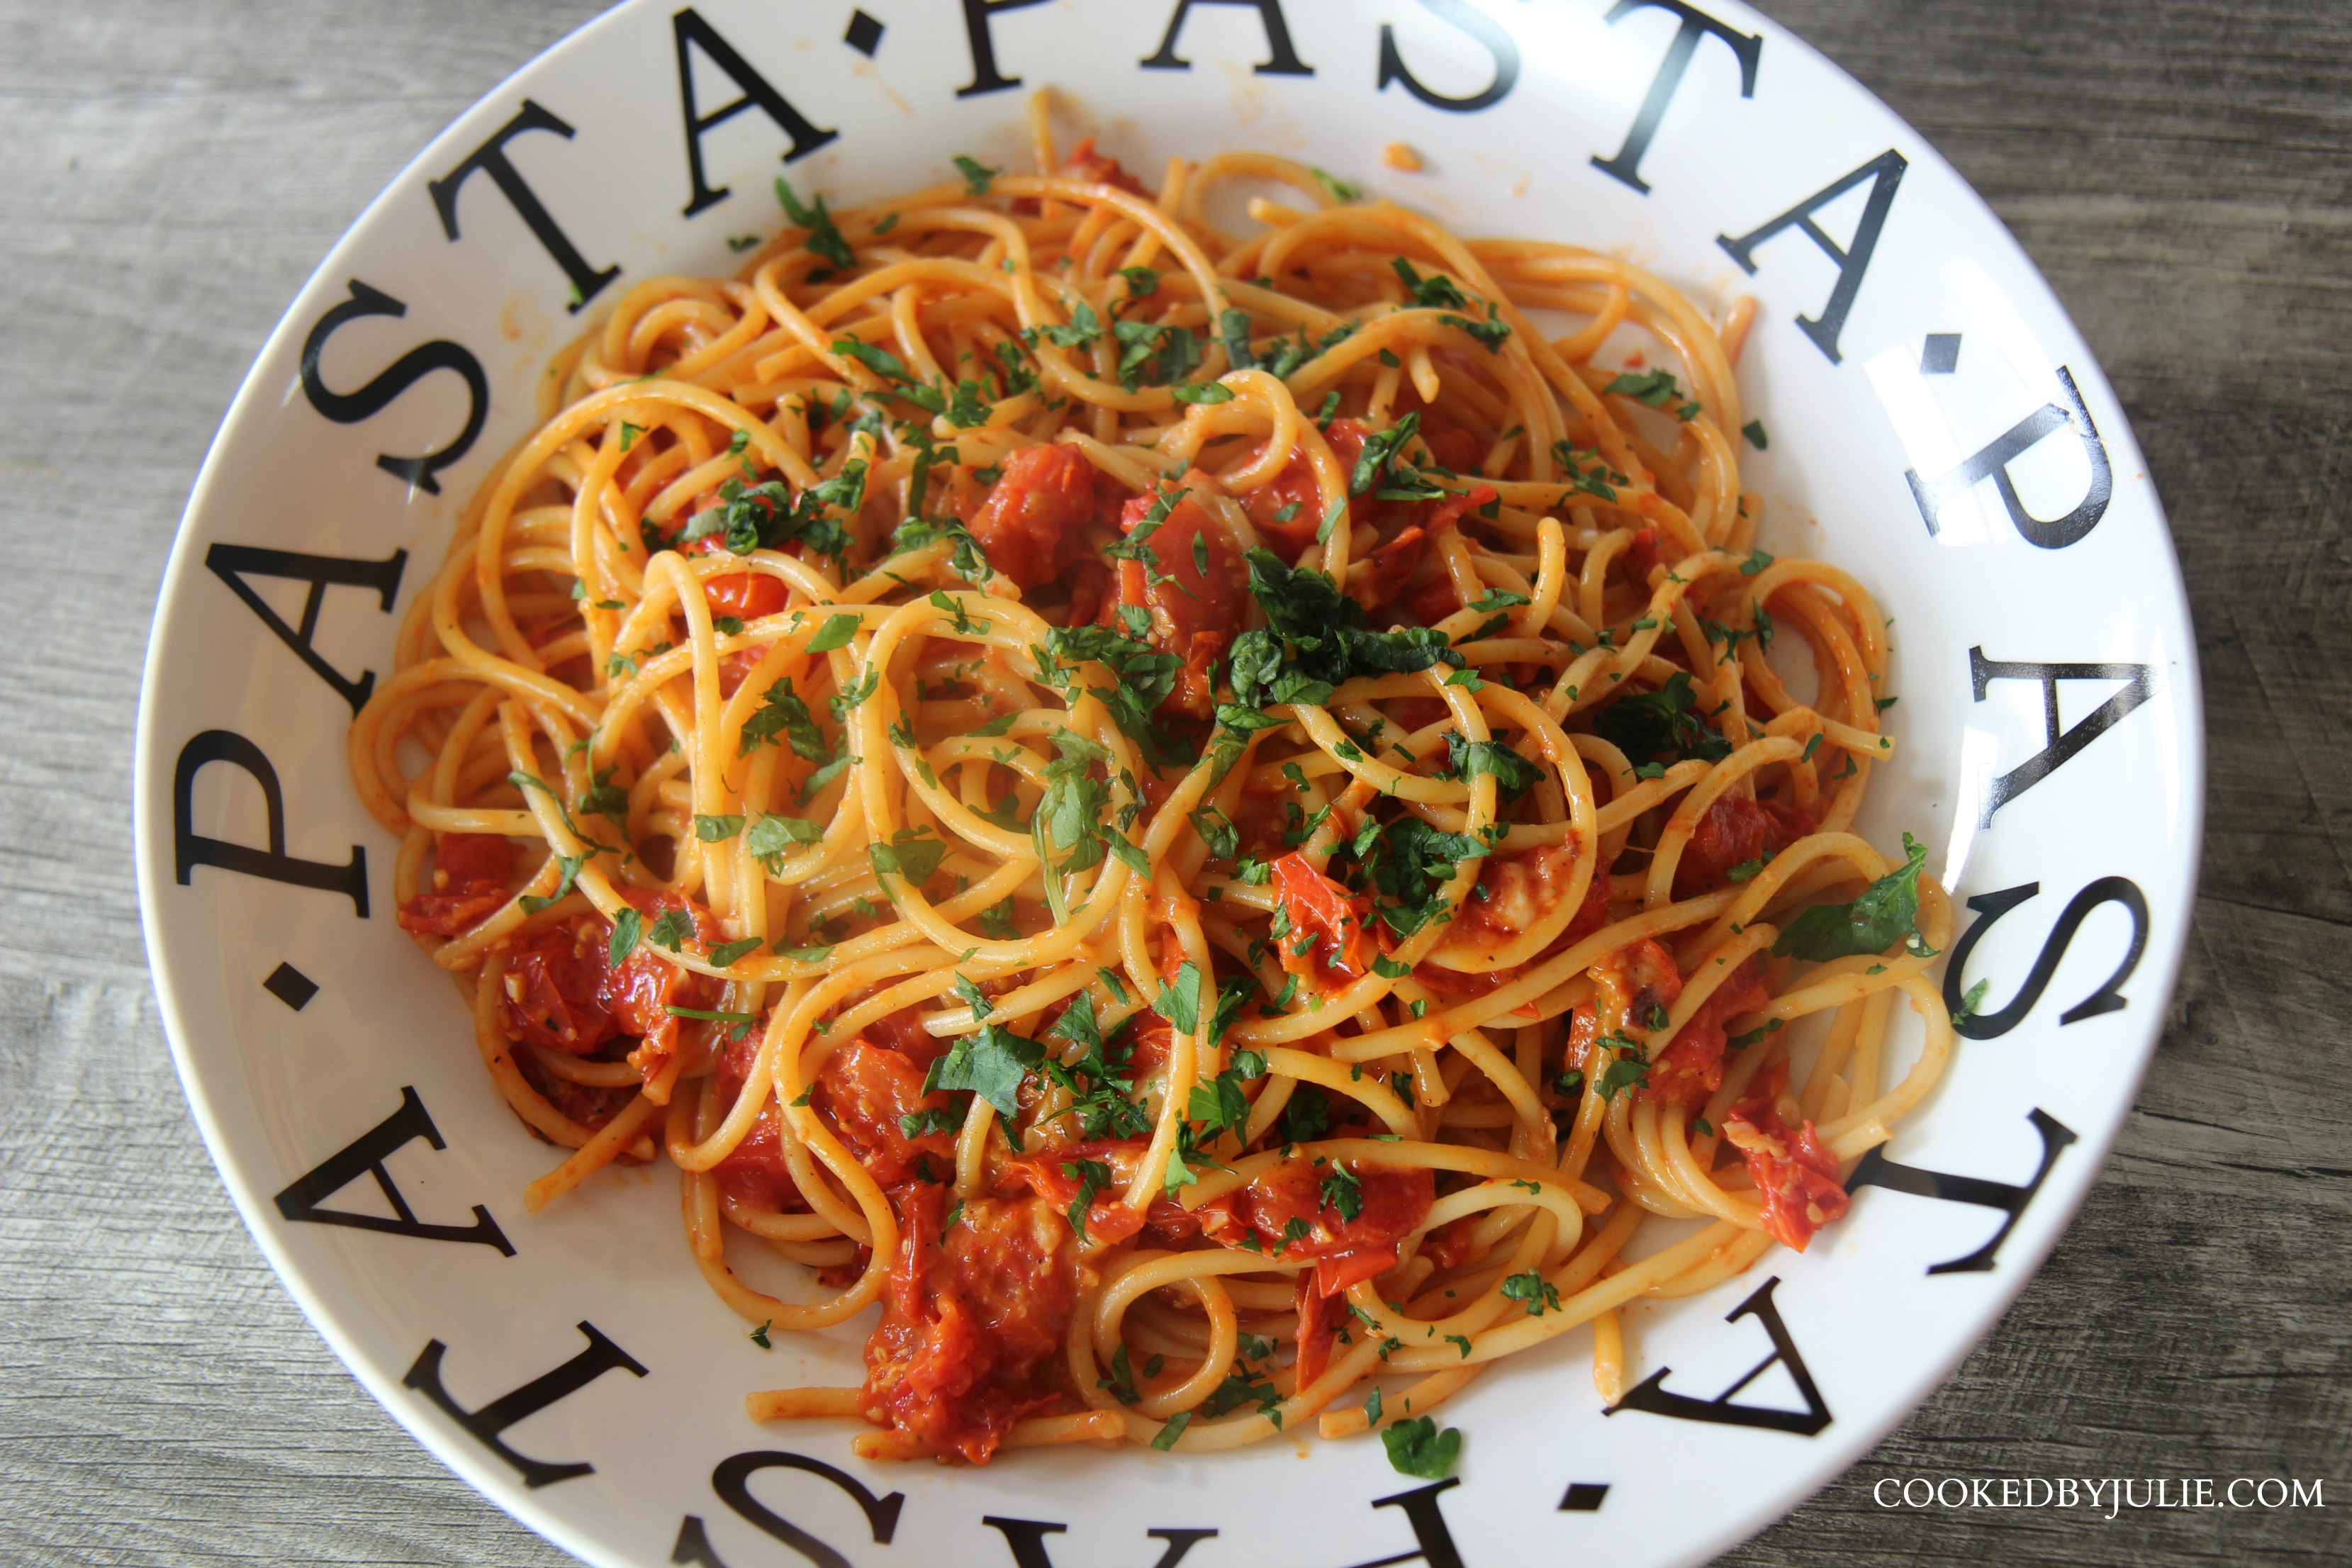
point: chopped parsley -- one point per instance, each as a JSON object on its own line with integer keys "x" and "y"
{"x": 977, "y": 175}
{"x": 992, "y": 1064}
{"x": 823, "y": 237}
{"x": 1540, "y": 1295}
{"x": 1416, "y": 1447}
{"x": 1667, "y": 719}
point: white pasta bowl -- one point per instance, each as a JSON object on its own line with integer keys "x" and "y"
{"x": 1937, "y": 426}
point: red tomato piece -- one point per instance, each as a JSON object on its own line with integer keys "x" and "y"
{"x": 1437, "y": 598}
{"x": 469, "y": 882}
{"x": 903, "y": 1032}
{"x": 1284, "y": 1209}
{"x": 973, "y": 1320}
{"x": 555, "y": 989}
{"x": 746, "y": 595}
{"x": 1388, "y": 569}
{"x": 463, "y": 858}
{"x": 737, "y": 666}
{"x": 1514, "y": 893}
{"x": 1318, "y": 1325}
{"x": 1085, "y": 163}
{"x": 865, "y": 1092}
{"x": 755, "y": 1174}
{"x": 1320, "y": 909}
{"x": 1046, "y": 1172}
{"x": 1591, "y": 914}
{"x": 640, "y": 993}
{"x": 1691, "y": 1068}
{"x": 1029, "y": 524}
{"x": 1733, "y": 831}
{"x": 451, "y": 914}
{"x": 1637, "y": 984}
{"x": 1193, "y": 614}
{"x": 1453, "y": 446}
{"x": 1444, "y": 981}
{"x": 1797, "y": 1177}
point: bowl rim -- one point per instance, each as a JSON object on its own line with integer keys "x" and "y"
{"x": 251, "y": 1197}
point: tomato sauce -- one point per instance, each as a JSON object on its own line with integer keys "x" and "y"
{"x": 554, "y": 989}
{"x": 1325, "y": 920}
{"x": 469, "y": 882}
{"x": 1797, "y": 1177}
{"x": 973, "y": 1319}
{"x": 1732, "y": 832}
{"x": 863, "y": 1093}
{"x": 1514, "y": 893}
{"x": 562, "y": 993}
{"x": 1085, "y": 163}
{"x": 1194, "y": 612}
{"x": 1029, "y": 523}
{"x": 1284, "y": 1209}
{"x": 1691, "y": 1067}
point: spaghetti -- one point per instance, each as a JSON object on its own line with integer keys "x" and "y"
{"x": 1206, "y": 819}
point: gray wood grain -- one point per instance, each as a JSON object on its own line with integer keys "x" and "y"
{"x": 2178, "y": 168}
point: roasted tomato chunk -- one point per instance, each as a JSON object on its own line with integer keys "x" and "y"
{"x": 1296, "y": 1209}
{"x": 973, "y": 1319}
{"x": 1392, "y": 565}
{"x": 1452, "y": 445}
{"x": 1514, "y": 893}
{"x": 1085, "y": 163}
{"x": 1732, "y": 832}
{"x": 1797, "y": 1177}
{"x": 1325, "y": 943}
{"x": 866, "y": 1093}
{"x": 1691, "y": 1068}
{"x": 754, "y": 1173}
{"x": 1029, "y": 523}
{"x": 555, "y": 989}
{"x": 746, "y": 595}
{"x": 1635, "y": 985}
{"x": 1059, "y": 1176}
{"x": 469, "y": 882}
{"x": 1191, "y": 603}
{"x": 640, "y": 993}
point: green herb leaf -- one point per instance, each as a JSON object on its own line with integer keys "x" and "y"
{"x": 1342, "y": 1192}
{"x": 1883, "y": 914}
{"x": 724, "y": 955}
{"x": 992, "y": 1064}
{"x": 976, "y": 175}
{"x": 1416, "y": 1447}
{"x": 823, "y": 238}
{"x": 673, "y": 930}
{"x": 1340, "y": 189}
{"x": 1092, "y": 1176}
{"x": 628, "y": 926}
{"x": 835, "y": 633}
{"x": 1628, "y": 1071}
{"x": 1430, "y": 293}
{"x": 912, "y": 853}
{"x": 1667, "y": 719}
{"x": 1540, "y": 1294}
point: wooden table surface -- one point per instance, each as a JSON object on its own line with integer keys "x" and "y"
{"x": 2181, "y": 169}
